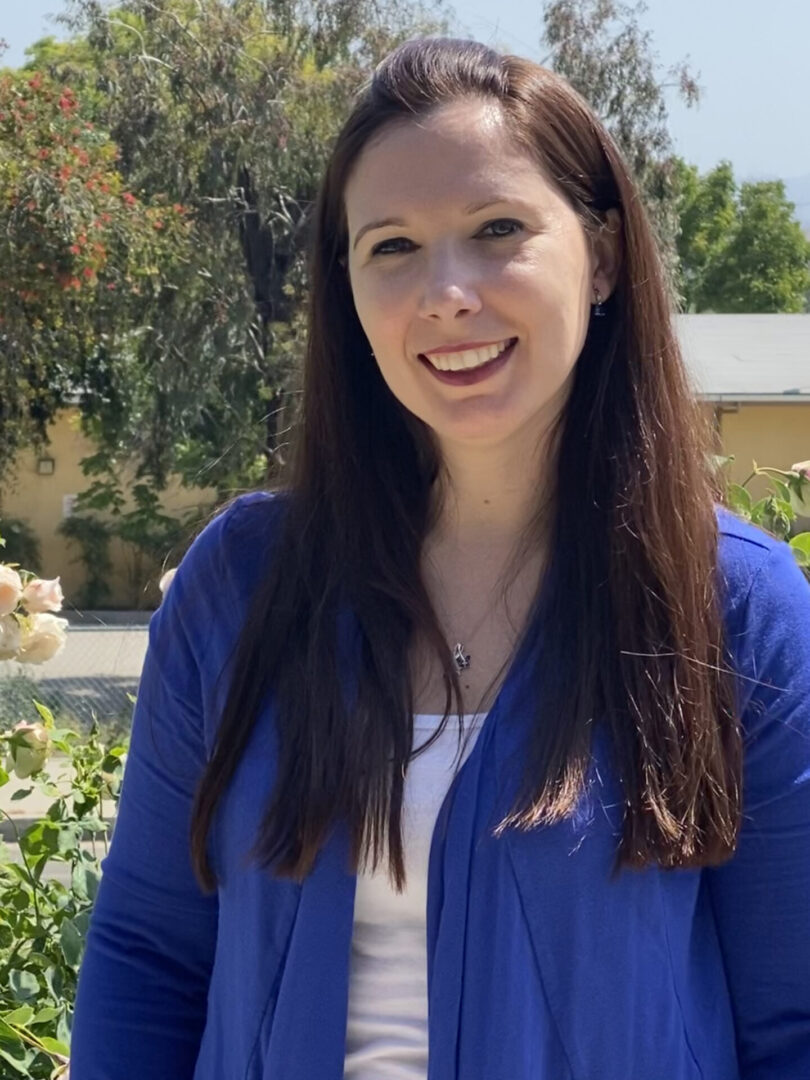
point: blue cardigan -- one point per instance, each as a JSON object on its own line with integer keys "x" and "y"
{"x": 540, "y": 967}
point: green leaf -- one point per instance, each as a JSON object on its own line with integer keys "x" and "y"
{"x": 801, "y": 548}
{"x": 4, "y": 778}
{"x": 68, "y": 840}
{"x": 44, "y": 1016}
{"x": 19, "y": 1057}
{"x": 78, "y": 879}
{"x": 24, "y": 985}
{"x": 785, "y": 508}
{"x": 55, "y": 1046}
{"x": 721, "y": 460}
{"x": 739, "y": 499}
{"x": 758, "y": 511}
{"x": 71, "y": 943}
{"x": 55, "y": 981}
{"x": 93, "y": 882}
{"x": 20, "y": 1016}
{"x": 782, "y": 490}
{"x": 45, "y": 713}
{"x": 23, "y": 793}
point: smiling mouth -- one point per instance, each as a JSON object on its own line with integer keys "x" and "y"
{"x": 468, "y": 359}
{"x": 478, "y": 373}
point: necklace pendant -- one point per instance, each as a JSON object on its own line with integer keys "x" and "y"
{"x": 462, "y": 659}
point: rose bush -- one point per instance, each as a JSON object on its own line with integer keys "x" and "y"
{"x": 42, "y": 921}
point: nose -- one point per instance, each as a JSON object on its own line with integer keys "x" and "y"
{"x": 449, "y": 288}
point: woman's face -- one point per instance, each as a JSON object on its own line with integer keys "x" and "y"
{"x": 449, "y": 275}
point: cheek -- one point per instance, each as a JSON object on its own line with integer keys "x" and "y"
{"x": 378, "y": 306}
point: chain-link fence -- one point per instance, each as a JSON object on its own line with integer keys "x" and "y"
{"x": 93, "y": 675}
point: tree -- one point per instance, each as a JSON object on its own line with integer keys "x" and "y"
{"x": 78, "y": 251}
{"x": 740, "y": 249}
{"x": 601, "y": 48}
{"x": 228, "y": 108}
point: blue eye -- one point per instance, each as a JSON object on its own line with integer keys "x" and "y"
{"x": 378, "y": 248}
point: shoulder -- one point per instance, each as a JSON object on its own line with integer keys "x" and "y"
{"x": 749, "y": 558}
{"x": 766, "y": 600}
{"x": 212, "y": 586}
{"x": 237, "y": 539}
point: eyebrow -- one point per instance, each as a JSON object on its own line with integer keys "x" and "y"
{"x": 473, "y": 208}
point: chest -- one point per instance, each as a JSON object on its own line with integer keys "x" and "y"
{"x": 481, "y": 620}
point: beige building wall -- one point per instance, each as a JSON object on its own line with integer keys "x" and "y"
{"x": 777, "y": 435}
{"x": 44, "y": 500}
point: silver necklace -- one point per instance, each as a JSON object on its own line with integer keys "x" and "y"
{"x": 461, "y": 658}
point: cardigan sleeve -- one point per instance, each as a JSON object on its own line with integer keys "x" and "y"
{"x": 761, "y": 897}
{"x": 142, "y": 991}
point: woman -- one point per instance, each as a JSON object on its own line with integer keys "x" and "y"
{"x": 500, "y": 509}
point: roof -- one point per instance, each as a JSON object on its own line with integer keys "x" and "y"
{"x": 747, "y": 357}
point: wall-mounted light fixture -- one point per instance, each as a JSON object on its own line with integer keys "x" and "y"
{"x": 45, "y": 466}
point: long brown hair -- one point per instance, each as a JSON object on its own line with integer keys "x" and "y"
{"x": 637, "y": 640}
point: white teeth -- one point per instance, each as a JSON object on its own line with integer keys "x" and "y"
{"x": 470, "y": 358}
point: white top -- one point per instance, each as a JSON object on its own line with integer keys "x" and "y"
{"x": 386, "y": 1034}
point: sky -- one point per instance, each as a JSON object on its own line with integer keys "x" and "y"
{"x": 752, "y": 60}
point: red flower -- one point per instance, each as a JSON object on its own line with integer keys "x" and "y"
{"x": 157, "y": 224}
{"x": 110, "y": 284}
{"x": 89, "y": 271}
{"x": 65, "y": 172}
{"x": 128, "y": 198}
{"x": 74, "y": 249}
{"x": 43, "y": 153}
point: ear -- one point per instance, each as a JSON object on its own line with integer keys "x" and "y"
{"x": 607, "y": 253}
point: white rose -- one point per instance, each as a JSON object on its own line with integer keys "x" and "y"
{"x": 166, "y": 580}
{"x": 10, "y": 589}
{"x": 45, "y": 638}
{"x": 40, "y": 595}
{"x": 10, "y": 637}
{"x": 29, "y": 758}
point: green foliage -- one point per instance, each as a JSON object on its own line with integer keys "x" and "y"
{"x": 601, "y": 47}
{"x": 740, "y": 249}
{"x": 43, "y": 924}
{"x": 79, "y": 252}
{"x": 93, "y": 539}
{"x": 777, "y": 511}
{"x": 21, "y": 543}
{"x": 229, "y": 109}
{"x": 148, "y": 535}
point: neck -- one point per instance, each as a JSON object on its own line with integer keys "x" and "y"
{"x": 489, "y": 496}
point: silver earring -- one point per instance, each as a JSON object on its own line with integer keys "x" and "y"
{"x": 597, "y": 309}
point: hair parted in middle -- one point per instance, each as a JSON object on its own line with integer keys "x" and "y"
{"x": 629, "y": 634}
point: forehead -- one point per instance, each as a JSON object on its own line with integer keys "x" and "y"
{"x": 459, "y": 153}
